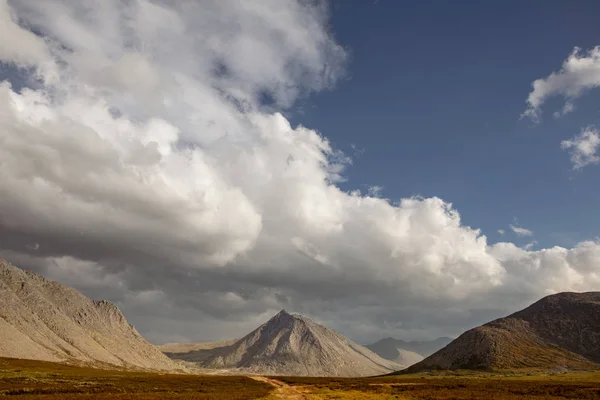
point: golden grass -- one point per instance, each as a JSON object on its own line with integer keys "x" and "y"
{"x": 461, "y": 385}
{"x": 26, "y": 379}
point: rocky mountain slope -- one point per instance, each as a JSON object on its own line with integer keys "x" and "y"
{"x": 183, "y": 348}
{"x": 290, "y": 344}
{"x": 407, "y": 353}
{"x": 560, "y": 331}
{"x": 194, "y": 352}
{"x": 44, "y": 320}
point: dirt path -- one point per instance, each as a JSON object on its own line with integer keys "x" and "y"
{"x": 396, "y": 384}
{"x": 282, "y": 390}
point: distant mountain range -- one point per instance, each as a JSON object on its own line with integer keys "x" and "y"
{"x": 560, "y": 331}
{"x": 407, "y": 353}
{"x": 288, "y": 344}
{"x": 44, "y": 320}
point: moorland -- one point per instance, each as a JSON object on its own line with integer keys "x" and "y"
{"x": 28, "y": 379}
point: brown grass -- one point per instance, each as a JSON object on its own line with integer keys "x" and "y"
{"x": 26, "y": 379}
{"x": 459, "y": 386}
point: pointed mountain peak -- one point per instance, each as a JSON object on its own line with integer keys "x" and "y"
{"x": 284, "y": 315}
{"x": 281, "y": 320}
{"x": 280, "y": 316}
{"x": 291, "y": 344}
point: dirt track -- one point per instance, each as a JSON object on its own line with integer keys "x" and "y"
{"x": 282, "y": 390}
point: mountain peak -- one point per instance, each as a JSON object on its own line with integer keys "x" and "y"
{"x": 282, "y": 313}
{"x": 291, "y": 344}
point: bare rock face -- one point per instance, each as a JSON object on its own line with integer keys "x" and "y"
{"x": 290, "y": 344}
{"x": 560, "y": 331}
{"x": 186, "y": 348}
{"x": 44, "y": 320}
{"x": 194, "y": 353}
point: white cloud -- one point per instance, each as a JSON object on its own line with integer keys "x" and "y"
{"x": 567, "y": 108}
{"x": 520, "y": 231}
{"x": 583, "y": 148}
{"x": 556, "y": 269}
{"x": 530, "y": 245}
{"x": 579, "y": 73}
{"x": 20, "y": 47}
{"x": 501, "y": 231}
{"x": 375, "y": 191}
{"x": 148, "y": 169}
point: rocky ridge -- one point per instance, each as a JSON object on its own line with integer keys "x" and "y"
{"x": 560, "y": 331}
{"x": 44, "y": 320}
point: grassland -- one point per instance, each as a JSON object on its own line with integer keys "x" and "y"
{"x": 25, "y": 379}
{"x": 459, "y": 386}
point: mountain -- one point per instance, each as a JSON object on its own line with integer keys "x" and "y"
{"x": 425, "y": 347}
{"x": 193, "y": 352}
{"x": 291, "y": 344}
{"x": 183, "y": 348}
{"x": 44, "y": 320}
{"x": 560, "y": 331}
{"x": 407, "y": 353}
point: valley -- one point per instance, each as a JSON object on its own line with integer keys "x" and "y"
{"x": 58, "y": 344}
{"x": 29, "y": 379}
{"x": 299, "y": 199}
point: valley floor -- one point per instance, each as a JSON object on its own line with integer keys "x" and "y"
{"x": 25, "y": 379}
{"x": 461, "y": 386}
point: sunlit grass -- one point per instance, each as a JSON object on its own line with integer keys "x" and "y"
{"x": 456, "y": 385}
{"x": 26, "y": 380}
{"x": 37, "y": 379}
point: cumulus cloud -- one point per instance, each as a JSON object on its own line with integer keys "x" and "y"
{"x": 583, "y": 148}
{"x": 147, "y": 161}
{"x": 520, "y": 231}
{"x": 501, "y": 231}
{"x": 579, "y": 73}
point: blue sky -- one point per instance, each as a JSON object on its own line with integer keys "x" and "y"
{"x": 434, "y": 94}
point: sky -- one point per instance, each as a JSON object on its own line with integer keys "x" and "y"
{"x": 408, "y": 169}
